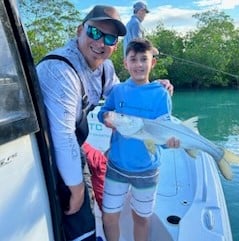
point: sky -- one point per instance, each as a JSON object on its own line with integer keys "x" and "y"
{"x": 174, "y": 14}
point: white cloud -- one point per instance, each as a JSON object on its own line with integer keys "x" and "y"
{"x": 220, "y": 4}
{"x": 180, "y": 20}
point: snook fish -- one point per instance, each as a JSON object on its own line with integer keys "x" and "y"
{"x": 158, "y": 131}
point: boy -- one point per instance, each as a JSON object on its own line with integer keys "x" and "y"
{"x": 130, "y": 164}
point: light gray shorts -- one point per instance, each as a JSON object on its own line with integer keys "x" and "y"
{"x": 143, "y": 188}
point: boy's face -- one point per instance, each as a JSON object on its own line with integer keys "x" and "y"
{"x": 139, "y": 65}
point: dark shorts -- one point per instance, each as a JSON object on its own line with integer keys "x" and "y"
{"x": 143, "y": 179}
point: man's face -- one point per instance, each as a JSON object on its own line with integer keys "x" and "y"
{"x": 141, "y": 14}
{"x": 96, "y": 51}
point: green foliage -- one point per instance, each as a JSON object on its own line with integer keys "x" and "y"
{"x": 206, "y": 57}
{"x": 203, "y": 58}
{"x": 169, "y": 45}
{"x": 48, "y": 24}
{"x": 210, "y": 46}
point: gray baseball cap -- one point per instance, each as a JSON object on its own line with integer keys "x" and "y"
{"x": 101, "y": 12}
{"x": 140, "y": 5}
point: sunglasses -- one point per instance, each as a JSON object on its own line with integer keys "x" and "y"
{"x": 96, "y": 34}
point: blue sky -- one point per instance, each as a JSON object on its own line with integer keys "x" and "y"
{"x": 175, "y": 14}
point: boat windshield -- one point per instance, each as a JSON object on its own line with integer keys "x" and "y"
{"x": 16, "y": 107}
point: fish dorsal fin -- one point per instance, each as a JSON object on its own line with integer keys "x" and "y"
{"x": 192, "y": 123}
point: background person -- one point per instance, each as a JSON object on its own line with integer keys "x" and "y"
{"x": 134, "y": 26}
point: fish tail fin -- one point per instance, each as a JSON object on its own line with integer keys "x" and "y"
{"x": 231, "y": 157}
{"x": 224, "y": 164}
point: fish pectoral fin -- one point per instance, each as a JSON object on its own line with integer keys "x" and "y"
{"x": 150, "y": 145}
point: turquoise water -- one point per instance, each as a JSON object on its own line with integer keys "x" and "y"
{"x": 218, "y": 113}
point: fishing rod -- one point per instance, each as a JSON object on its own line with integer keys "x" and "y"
{"x": 200, "y": 65}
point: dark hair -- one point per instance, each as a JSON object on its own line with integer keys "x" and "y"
{"x": 139, "y": 45}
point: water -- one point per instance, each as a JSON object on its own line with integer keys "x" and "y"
{"x": 218, "y": 112}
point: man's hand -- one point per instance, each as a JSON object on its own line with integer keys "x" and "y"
{"x": 76, "y": 199}
{"x": 166, "y": 83}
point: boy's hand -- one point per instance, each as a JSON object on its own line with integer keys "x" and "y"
{"x": 173, "y": 143}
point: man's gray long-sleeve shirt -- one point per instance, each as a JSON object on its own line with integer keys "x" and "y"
{"x": 62, "y": 96}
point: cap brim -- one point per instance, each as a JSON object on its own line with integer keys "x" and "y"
{"x": 119, "y": 25}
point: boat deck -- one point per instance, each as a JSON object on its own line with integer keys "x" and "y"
{"x": 190, "y": 202}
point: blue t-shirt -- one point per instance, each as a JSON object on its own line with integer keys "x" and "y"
{"x": 147, "y": 101}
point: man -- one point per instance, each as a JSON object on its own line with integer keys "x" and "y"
{"x": 134, "y": 26}
{"x": 64, "y": 85}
